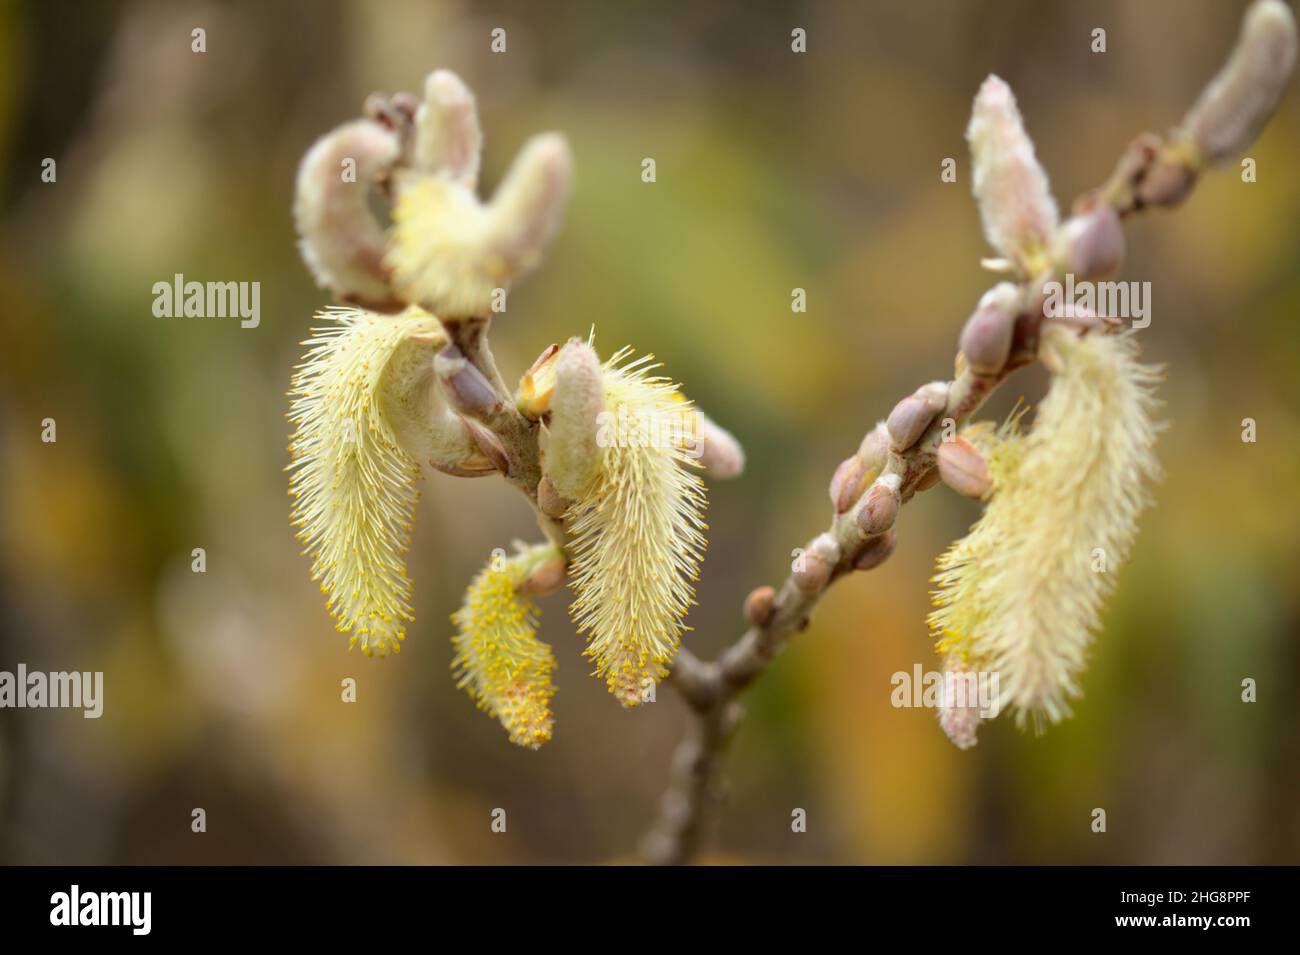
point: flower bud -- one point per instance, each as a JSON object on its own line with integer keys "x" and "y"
{"x": 880, "y": 506}
{"x": 874, "y": 450}
{"x": 721, "y": 455}
{"x": 341, "y": 240}
{"x": 545, "y": 577}
{"x": 876, "y": 551}
{"x": 488, "y": 443}
{"x": 817, "y": 564}
{"x": 537, "y": 386}
{"x": 986, "y": 337}
{"x": 760, "y": 605}
{"x": 911, "y": 416}
{"x": 847, "y": 483}
{"x": 396, "y": 112}
{"x": 468, "y": 391}
{"x": 447, "y": 135}
{"x": 1090, "y": 245}
{"x": 475, "y": 465}
{"x": 928, "y": 479}
{"x": 1167, "y": 182}
{"x": 1016, "y": 204}
{"x": 549, "y": 499}
{"x": 418, "y": 408}
{"x": 1234, "y": 108}
{"x": 572, "y": 453}
{"x": 963, "y": 468}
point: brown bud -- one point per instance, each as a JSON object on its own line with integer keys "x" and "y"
{"x": 549, "y": 499}
{"x": 1167, "y": 182}
{"x": 760, "y": 605}
{"x": 880, "y": 506}
{"x": 1090, "y": 245}
{"x": 814, "y": 566}
{"x": 476, "y": 465}
{"x": 986, "y": 337}
{"x": 911, "y": 416}
{"x": 876, "y": 552}
{"x": 962, "y": 468}
{"x": 927, "y": 480}
{"x": 848, "y": 483}
{"x": 488, "y": 443}
{"x": 467, "y": 390}
{"x": 874, "y": 450}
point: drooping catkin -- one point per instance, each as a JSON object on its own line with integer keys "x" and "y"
{"x": 499, "y": 659}
{"x": 1021, "y": 594}
{"x": 352, "y": 482}
{"x": 638, "y": 532}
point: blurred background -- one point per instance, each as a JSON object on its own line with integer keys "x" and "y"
{"x": 775, "y": 170}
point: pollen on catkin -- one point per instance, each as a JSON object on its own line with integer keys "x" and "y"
{"x": 499, "y": 659}
{"x": 637, "y": 532}
{"x": 450, "y": 252}
{"x": 1021, "y": 594}
{"x": 439, "y": 252}
{"x": 352, "y": 483}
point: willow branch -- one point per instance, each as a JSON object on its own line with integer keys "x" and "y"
{"x": 1152, "y": 171}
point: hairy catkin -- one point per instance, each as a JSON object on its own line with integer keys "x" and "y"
{"x": 1021, "y": 594}
{"x": 637, "y": 533}
{"x": 499, "y": 659}
{"x": 352, "y": 483}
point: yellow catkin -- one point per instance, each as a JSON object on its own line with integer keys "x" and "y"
{"x": 499, "y": 659}
{"x": 440, "y": 252}
{"x": 637, "y": 533}
{"x": 1021, "y": 594}
{"x": 353, "y": 486}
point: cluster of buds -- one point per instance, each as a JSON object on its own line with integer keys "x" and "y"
{"x": 611, "y": 454}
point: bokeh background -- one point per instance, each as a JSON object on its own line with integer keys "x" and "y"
{"x": 775, "y": 171}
